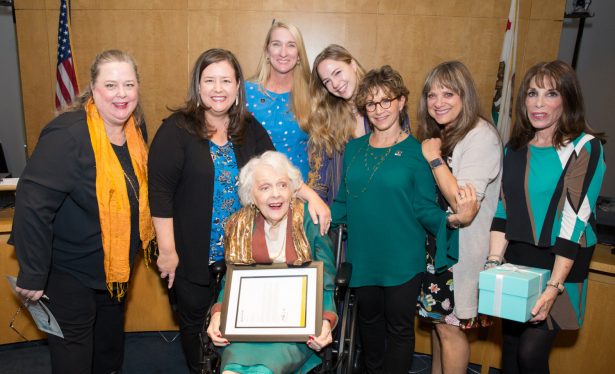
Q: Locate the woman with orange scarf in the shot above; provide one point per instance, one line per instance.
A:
(82, 214)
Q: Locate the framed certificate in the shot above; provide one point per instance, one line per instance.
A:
(272, 303)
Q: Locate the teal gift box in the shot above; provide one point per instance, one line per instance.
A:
(510, 291)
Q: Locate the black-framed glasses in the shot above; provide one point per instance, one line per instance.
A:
(25, 304)
(384, 104)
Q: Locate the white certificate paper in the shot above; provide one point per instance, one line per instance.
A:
(45, 321)
(272, 303)
(277, 301)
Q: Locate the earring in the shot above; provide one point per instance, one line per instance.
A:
(237, 100)
(198, 103)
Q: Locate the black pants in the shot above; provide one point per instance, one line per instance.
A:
(526, 347)
(193, 301)
(93, 327)
(386, 326)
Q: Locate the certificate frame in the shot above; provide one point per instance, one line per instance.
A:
(255, 294)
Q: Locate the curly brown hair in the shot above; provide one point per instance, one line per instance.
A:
(390, 82)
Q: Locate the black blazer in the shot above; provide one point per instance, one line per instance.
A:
(181, 186)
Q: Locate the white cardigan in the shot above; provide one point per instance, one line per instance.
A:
(476, 159)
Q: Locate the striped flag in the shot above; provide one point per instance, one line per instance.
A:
(501, 111)
(66, 79)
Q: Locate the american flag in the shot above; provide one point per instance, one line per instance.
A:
(66, 79)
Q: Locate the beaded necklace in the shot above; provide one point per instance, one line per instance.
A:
(379, 161)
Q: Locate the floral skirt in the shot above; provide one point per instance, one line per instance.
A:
(436, 301)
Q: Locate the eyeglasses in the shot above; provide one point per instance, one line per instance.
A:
(384, 104)
(18, 311)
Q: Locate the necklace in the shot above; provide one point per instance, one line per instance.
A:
(132, 186)
(271, 241)
(369, 151)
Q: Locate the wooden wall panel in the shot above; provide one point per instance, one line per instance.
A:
(38, 73)
(167, 36)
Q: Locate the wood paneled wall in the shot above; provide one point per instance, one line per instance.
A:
(166, 37)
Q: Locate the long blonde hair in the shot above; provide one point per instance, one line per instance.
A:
(301, 74)
(332, 122)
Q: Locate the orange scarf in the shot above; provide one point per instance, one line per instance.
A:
(113, 204)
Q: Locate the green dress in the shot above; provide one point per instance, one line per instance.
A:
(261, 358)
(387, 199)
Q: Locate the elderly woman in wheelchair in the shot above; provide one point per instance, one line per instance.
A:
(274, 227)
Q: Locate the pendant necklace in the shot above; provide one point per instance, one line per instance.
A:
(369, 151)
(132, 186)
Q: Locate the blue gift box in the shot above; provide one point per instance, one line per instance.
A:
(510, 291)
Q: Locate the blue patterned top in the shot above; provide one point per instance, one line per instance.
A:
(226, 199)
(273, 111)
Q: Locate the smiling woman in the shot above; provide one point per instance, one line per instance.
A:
(194, 166)
(273, 228)
(277, 95)
(546, 218)
(116, 94)
(82, 201)
(386, 179)
(465, 154)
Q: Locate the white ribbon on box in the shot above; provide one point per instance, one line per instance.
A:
(499, 280)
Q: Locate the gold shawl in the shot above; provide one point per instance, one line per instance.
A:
(239, 231)
(112, 197)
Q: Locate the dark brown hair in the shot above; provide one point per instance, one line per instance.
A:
(194, 109)
(572, 122)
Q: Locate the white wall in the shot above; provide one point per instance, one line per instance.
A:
(11, 109)
(596, 72)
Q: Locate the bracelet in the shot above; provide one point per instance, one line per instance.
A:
(499, 257)
(491, 262)
(449, 224)
(558, 285)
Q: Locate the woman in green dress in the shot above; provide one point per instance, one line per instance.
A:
(387, 199)
(274, 227)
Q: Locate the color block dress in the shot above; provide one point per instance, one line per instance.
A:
(548, 208)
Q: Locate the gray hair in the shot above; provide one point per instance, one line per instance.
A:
(278, 162)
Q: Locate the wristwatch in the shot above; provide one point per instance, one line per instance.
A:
(436, 162)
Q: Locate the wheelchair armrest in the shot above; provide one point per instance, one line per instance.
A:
(342, 278)
(218, 268)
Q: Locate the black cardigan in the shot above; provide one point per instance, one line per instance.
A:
(181, 186)
(56, 223)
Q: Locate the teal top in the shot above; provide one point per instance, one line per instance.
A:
(265, 358)
(548, 207)
(559, 188)
(225, 199)
(387, 199)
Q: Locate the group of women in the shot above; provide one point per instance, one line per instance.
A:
(424, 215)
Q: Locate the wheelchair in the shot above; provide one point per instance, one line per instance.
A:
(342, 356)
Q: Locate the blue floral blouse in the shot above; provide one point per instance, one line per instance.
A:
(273, 111)
(226, 200)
